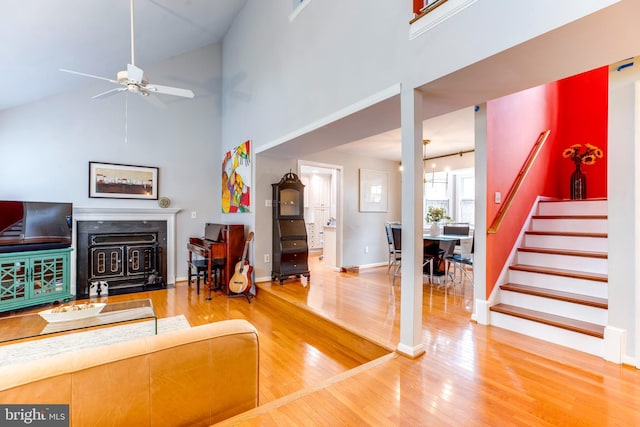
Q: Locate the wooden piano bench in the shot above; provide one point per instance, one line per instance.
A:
(200, 266)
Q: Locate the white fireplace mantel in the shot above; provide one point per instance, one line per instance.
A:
(129, 214)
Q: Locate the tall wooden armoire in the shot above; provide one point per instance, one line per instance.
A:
(290, 250)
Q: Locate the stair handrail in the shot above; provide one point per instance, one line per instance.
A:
(515, 187)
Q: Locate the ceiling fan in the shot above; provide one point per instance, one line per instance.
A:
(133, 79)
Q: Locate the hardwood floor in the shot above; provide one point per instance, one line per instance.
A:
(470, 375)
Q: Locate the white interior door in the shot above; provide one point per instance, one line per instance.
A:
(323, 183)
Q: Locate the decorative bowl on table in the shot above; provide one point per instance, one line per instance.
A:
(66, 313)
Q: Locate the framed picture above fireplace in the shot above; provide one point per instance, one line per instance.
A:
(116, 181)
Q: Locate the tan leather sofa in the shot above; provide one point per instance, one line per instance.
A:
(193, 377)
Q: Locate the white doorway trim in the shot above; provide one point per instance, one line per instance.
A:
(337, 186)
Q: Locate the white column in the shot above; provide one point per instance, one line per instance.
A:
(623, 193)
(481, 306)
(412, 243)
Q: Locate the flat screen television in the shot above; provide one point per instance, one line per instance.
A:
(34, 225)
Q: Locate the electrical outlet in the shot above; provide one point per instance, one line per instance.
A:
(193, 215)
(267, 258)
(498, 197)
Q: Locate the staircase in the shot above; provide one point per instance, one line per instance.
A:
(557, 289)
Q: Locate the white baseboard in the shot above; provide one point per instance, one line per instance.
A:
(409, 351)
(373, 265)
(631, 361)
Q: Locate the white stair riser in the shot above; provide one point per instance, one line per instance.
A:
(552, 306)
(573, 208)
(595, 244)
(559, 283)
(566, 262)
(577, 341)
(570, 225)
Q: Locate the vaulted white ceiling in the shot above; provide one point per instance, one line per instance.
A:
(37, 37)
(93, 36)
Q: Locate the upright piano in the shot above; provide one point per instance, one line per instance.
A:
(221, 245)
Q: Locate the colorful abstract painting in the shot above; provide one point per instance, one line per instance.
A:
(236, 179)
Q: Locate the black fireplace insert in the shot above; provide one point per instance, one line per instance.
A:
(120, 257)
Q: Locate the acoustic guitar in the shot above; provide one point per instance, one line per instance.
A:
(241, 279)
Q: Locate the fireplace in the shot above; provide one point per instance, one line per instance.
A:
(124, 261)
(131, 249)
(128, 255)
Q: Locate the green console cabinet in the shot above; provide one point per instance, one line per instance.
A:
(34, 277)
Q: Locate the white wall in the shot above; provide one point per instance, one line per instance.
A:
(268, 171)
(46, 146)
(360, 228)
(363, 229)
(336, 53)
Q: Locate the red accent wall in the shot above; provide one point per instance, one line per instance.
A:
(575, 110)
(417, 5)
(582, 119)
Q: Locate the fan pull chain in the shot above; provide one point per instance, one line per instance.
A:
(126, 115)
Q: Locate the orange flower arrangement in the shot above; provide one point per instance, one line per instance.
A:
(588, 157)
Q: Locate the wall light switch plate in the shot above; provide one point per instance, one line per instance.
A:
(267, 203)
(193, 214)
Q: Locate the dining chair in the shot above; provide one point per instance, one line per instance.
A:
(431, 255)
(462, 261)
(456, 229)
(387, 227)
(459, 229)
(445, 249)
(396, 237)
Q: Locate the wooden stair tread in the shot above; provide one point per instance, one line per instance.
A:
(572, 217)
(566, 233)
(557, 295)
(560, 272)
(588, 254)
(579, 326)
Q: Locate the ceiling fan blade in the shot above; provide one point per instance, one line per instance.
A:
(167, 90)
(153, 100)
(134, 74)
(108, 93)
(89, 75)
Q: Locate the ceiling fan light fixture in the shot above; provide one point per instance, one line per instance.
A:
(122, 77)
